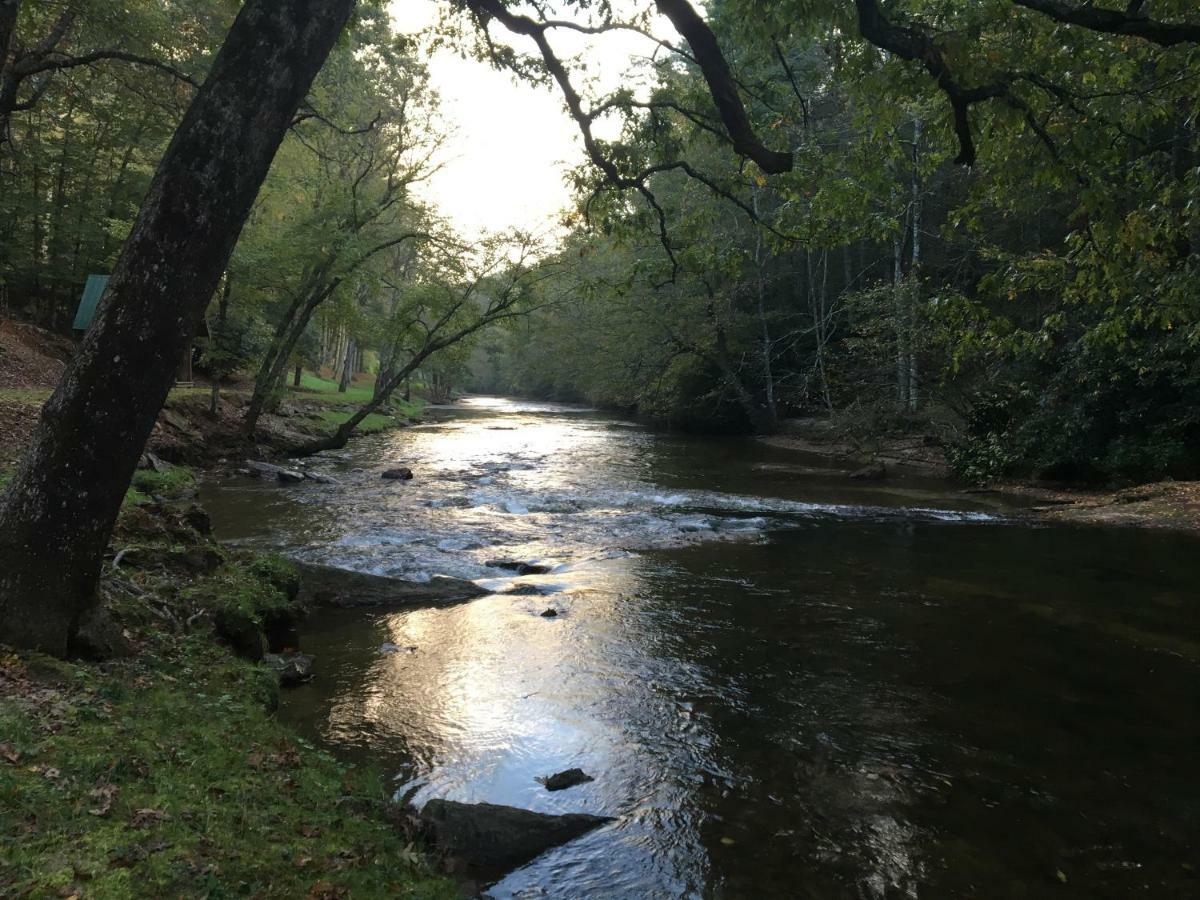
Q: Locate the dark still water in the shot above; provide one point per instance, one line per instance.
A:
(786, 683)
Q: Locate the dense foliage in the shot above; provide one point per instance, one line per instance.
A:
(1037, 311)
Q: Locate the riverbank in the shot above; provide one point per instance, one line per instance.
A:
(1166, 505)
(159, 770)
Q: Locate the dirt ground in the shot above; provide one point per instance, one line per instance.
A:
(33, 360)
(1163, 504)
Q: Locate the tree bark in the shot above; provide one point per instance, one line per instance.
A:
(347, 368)
(8, 86)
(901, 331)
(58, 513)
(914, 273)
(766, 348)
(217, 339)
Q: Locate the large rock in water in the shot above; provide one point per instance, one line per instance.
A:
(327, 586)
(291, 668)
(501, 837)
(874, 472)
(268, 470)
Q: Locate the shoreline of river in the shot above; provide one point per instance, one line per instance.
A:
(1159, 505)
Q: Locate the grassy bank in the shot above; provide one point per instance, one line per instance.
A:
(165, 776)
(163, 772)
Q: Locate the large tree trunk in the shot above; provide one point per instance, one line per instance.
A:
(8, 85)
(274, 366)
(58, 513)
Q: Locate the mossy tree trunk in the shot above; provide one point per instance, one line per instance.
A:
(57, 515)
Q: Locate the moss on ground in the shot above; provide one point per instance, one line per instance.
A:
(163, 774)
(373, 423)
(172, 483)
(234, 589)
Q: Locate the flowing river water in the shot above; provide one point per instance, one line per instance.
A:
(786, 683)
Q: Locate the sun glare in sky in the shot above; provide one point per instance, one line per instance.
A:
(510, 144)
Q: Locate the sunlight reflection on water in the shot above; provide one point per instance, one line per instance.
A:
(858, 691)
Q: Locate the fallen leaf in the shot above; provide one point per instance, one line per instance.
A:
(105, 794)
(144, 818)
(323, 890)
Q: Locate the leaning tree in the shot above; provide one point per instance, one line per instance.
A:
(59, 511)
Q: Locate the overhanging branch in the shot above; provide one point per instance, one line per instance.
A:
(1130, 22)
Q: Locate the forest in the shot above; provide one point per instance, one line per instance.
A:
(970, 227)
(1033, 310)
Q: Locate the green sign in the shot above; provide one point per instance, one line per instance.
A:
(91, 296)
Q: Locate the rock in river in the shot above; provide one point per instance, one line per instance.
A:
(326, 586)
(501, 837)
(516, 565)
(400, 473)
(560, 781)
(268, 470)
(874, 472)
(523, 590)
(292, 668)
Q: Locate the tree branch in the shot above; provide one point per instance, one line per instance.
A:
(920, 46)
(1110, 21)
(722, 87)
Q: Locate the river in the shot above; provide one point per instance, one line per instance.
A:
(786, 683)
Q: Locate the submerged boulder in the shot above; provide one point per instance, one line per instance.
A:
(874, 472)
(560, 781)
(327, 586)
(518, 566)
(269, 470)
(523, 590)
(501, 837)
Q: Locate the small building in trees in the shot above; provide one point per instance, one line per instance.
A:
(93, 290)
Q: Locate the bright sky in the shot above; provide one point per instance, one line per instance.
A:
(511, 143)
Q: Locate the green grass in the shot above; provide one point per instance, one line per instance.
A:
(175, 482)
(166, 776)
(357, 394)
(315, 389)
(370, 425)
(25, 395)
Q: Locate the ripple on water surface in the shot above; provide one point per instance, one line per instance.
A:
(785, 687)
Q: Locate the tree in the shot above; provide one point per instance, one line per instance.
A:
(58, 512)
(503, 282)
